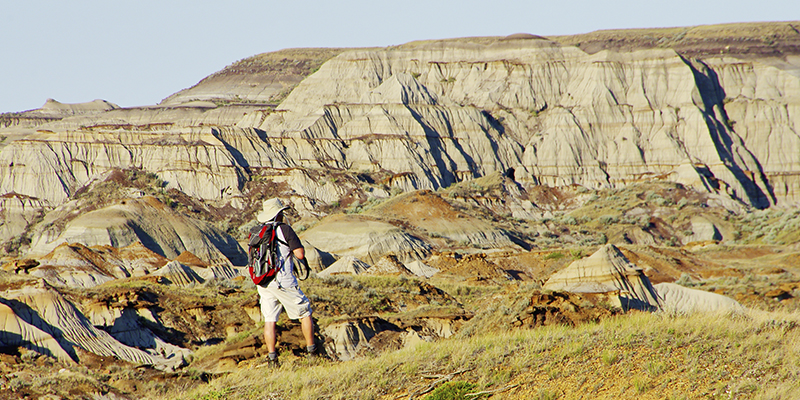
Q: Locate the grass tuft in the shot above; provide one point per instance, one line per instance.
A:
(609, 357)
(453, 391)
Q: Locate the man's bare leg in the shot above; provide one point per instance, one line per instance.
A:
(308, 330)
(269, 336)
(271, 340)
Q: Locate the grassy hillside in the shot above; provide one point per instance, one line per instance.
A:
(646, 356)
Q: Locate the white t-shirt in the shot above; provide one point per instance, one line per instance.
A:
(285, 277)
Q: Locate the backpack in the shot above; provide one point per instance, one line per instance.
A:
(263, 257)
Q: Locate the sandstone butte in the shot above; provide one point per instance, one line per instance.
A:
(429, 114)
(434, 113)
(516, 128)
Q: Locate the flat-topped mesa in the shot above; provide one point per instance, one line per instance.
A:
(556, 115)
(440, 112)
(265, 78)
(767, 41)
(52, 106)
(52, 110)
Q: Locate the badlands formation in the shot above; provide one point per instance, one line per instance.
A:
(654, 170)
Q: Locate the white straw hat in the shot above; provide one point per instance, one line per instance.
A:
(270, 210)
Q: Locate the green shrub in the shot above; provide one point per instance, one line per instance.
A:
(216, 394)
(609, 357)
(554, 256)
(569, 220)
(452, 391)
(608, 219)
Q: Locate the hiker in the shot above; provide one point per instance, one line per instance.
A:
(283, 292)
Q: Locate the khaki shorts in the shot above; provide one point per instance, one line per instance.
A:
(292, 299)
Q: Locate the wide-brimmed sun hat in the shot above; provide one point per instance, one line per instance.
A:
(270, 210)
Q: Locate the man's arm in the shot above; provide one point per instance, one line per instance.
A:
(293, 242)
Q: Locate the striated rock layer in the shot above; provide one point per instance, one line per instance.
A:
(448, 111)
(146, 220)
(41, 319)
(607, 271)
(558, 116)
(426, 115)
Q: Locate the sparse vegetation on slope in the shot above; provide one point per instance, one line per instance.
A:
(638, 355)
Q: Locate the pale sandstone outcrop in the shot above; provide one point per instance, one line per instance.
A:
(19, 332)
(679, 299)
(607, 271)
(220, 272)
(421, 269)
(762, 105)
(184, 146)
(346, 265)
(703, 230)
(350, 338)
(18, 213)
(432, 114)
(126, 327)
(193, 161)
(317, 260)
(598, 120)
(364, 238)
(439, 113)
(431, 330)
(178, 274)
(388, 265)
(41, 319)
(149, 221)
(356, 337)
(75, 265)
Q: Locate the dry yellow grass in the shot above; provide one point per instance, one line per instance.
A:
(643, 356)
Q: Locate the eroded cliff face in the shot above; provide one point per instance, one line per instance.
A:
(428, 114)
(557, 115)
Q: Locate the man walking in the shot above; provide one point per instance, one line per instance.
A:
(283, 292)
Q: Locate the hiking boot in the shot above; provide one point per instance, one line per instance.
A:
(269, 363)
(311, 352)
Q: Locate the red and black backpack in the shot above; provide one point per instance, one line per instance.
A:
(263, 255)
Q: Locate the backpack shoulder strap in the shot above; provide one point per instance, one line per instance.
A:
(277, 239)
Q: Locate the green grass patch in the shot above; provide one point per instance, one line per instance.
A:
(556, 255)
(453, 391)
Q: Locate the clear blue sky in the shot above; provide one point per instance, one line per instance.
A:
(139, 52)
